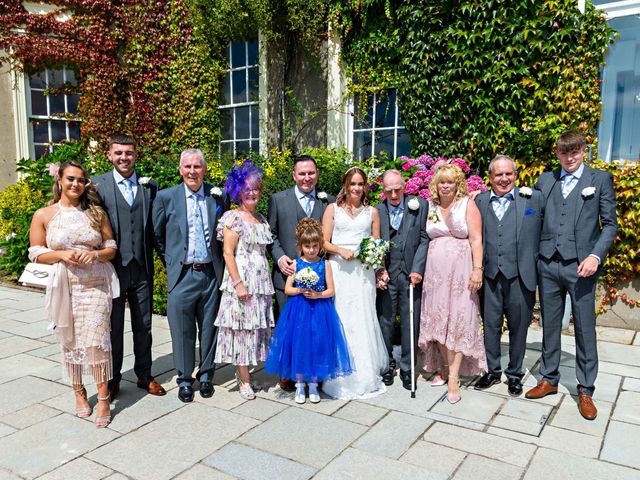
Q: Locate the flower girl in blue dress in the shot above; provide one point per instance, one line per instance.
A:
(308, 343)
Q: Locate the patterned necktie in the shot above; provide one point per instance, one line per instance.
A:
(396, 218)
(128, 191)
(568, 182)
(307, 205)
(500, 205)
(200, 252)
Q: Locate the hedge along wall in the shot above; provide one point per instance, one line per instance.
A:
(480, 78)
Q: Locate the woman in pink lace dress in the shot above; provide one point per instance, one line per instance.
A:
(450, 338)
(73, 234)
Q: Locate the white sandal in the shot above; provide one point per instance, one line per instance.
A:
(300, 396)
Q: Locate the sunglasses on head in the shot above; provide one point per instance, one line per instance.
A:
(80, 180)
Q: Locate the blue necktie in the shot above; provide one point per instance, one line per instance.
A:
(200, 253)
(500, 205)
(128, 191)
(568, 182)
(307, 205)
(396, 218)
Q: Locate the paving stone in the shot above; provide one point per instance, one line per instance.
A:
(475, 406)
(232, 459)
(222, 398)
(354, 464)
(568, 417)
(327, 405)
(33, 330)
(548, 463)
(21, 393)
(615, 335)
(116, 476)
(29, 416)
(187, 436)
(393, 435)
(617, 447)
(80, 468)
(481, 468)
(399, 399)
(259, 408)
(625, 354)
(47, 445)
(22, 365)
(631, 384)
(275, 436)
(361, 413)
(619, 369)
(438, 417)
(5, 335)
(31, 315)
(503, 449)
(161, 364)
(636, 340)
(607, 385)
(15, 344)
(569, 441)
(202, 472)
(5, 475)
(526, 410)
(526, 427)
(6, 430)
(627, 408)
(46, 351)
(440, 462)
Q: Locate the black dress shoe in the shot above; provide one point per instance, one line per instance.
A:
(206, 389)
(185, 394)
(387, 377)
(515, 387)
(487, 380)
(406, 379)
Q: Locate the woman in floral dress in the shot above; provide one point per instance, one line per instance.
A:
(245, 317)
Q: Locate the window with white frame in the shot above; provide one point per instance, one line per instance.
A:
(378, 128)
(53, 109)
(239, 118)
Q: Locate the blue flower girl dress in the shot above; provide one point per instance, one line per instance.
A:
(309, 343)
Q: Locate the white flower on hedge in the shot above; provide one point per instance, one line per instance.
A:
(144, 180)
(413, 204)
(526, 192)
(588, 192)
(322, 195)
(216, 192)
(93, 145)
(10, 236)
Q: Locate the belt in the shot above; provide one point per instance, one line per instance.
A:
(556, 257)
(196, 266)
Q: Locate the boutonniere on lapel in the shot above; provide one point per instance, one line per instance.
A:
(144, 181)
(588, 192)
(525, 192)
(322, 196)
(215, 191)
(413, 204)
(433, 216)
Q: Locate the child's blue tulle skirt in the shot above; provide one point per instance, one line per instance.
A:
(308, 342)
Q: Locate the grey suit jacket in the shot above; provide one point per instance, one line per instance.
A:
(529, 213)
(596, 222)
(412, 239)
(171, 229)
(284, 214)
(107, 191)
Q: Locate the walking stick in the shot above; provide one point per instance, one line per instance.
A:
(413, 367)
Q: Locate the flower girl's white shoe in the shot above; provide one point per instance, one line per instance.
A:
(300, 395)
(314, 396)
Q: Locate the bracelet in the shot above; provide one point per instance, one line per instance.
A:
(236, 283)
(479, 267)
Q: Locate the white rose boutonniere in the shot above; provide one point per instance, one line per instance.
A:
(144, 180)
(216, 191)
(588, 192)
(322, 196)
(413, 204)
(525, 192)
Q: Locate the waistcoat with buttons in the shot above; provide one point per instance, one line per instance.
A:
(396, 261)
(130, 229)
(558, 227)
(501, 253)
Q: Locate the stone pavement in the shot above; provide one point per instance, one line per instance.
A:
(486, 435)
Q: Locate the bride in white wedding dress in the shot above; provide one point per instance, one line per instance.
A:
(345, 224)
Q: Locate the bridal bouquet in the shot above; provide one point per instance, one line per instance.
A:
(306, 277)
(371, 252)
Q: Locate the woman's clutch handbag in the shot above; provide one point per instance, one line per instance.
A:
(36, 275)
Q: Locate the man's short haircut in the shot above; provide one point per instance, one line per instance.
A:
(502, 157)
(570, 141)
(304, 158)
(194, 151)
(121, 139)
(393, 171)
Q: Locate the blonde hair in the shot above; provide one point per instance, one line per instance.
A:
(89, 200)
(309, 231)
(451, 173)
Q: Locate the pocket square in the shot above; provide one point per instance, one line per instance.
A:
(530, 211)
(218, 209)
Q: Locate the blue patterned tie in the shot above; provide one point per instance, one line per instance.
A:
(567, 184)
(396, 218)
(128, 191)
(500, 205)
(307, 205)
(200, 253)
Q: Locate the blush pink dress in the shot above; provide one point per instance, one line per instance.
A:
(449, 312)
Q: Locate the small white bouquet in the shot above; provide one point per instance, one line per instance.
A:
(306, 277)
(371, 252)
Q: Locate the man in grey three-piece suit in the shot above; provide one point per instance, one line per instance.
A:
(185, 218)
(511, 222)
(127, 200)
(579, 226)
(403, 221)
(286, 209)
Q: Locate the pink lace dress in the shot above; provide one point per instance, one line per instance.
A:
(449, 312)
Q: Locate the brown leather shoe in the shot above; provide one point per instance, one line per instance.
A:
(114, 389)
(543, 389)
(586, 407)
(152, 387)
(287, 385)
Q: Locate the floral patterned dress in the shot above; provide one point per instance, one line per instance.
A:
(244, 327)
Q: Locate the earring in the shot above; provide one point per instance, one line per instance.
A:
(59, 188)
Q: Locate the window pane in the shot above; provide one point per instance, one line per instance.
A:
(253, 84)
(38, 103)
(384, 143)
(403, 145)
(253, 52)
(58, 131)
(226, 148)
(239, 86)
(55, 78)
(226, 124)
(40, 150)
(56, 104)
(363, 118)
(238, 58)
(242, 122)
(385, 111)
(37, 80)
(72, 103)
(242, 148)
(362, 145)
(40, 131)
(70, 76)
(255, 146)
(74, 131)
(254, 122)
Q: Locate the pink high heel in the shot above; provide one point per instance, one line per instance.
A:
(439, 379)
(454, 398)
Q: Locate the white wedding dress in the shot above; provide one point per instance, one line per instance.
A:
(355, 301)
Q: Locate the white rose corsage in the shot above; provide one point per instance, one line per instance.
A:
(322, 196)
(433, 216)
(413, 204)
(144, 180)
(216, 191)
(525, 192)
(588, 192)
